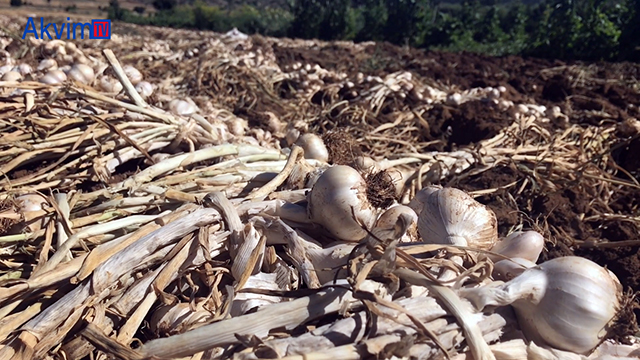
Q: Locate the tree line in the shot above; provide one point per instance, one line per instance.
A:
(559, 29)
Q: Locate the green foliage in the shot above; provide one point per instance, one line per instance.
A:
(374, 19)
(563, 29)
(163, 5)
(115, 12)
(401, 21)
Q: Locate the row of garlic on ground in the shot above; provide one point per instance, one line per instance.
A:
(567, 303)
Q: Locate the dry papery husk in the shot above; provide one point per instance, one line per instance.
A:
(177, 219)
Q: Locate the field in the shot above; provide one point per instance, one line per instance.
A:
(546, 145)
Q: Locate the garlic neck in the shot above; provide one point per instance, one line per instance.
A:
(529, 286)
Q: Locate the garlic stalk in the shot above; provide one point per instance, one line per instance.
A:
(566, 303)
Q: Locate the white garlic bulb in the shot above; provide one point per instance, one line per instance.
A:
(53, 77)
(314, 147)
(32, 210)
(182, 107)
(339, 194)
(566, 303)
(507, 269)
(133, 74)
(367, 164)
(109, 84)
(23, 69)
(520, 244)
(145, 89)
(81, 73)
(389, 220)
(292, 135)
(5, 69)
(451, 216)
(11, 76)
(47, 64)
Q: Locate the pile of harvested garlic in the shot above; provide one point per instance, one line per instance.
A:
(566, 303)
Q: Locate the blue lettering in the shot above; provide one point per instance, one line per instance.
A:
(26, 29)
(55, 29)
(82, 25)
(43, 29)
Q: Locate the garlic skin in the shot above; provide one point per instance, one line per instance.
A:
(566, 303)
(314, 147)
(519, 244)
(451, 216)
(339, 189)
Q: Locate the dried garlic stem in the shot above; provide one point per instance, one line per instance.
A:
(271, 186)
(124, 80)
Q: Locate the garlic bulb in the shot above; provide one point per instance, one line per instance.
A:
(53, 77)
(336, 192)
(32, 209)
(47, 64)
(133, 74)
(314, 147)
(451, 216)
(520, 244)
(182, 107)
(144, 88)
(507, 269)
(109, 84)
(23, 69)
(367, 164)
(566, 303)
(11, 76)
(5, 69)
(389, 220)
(81, 73)
(292, 135)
